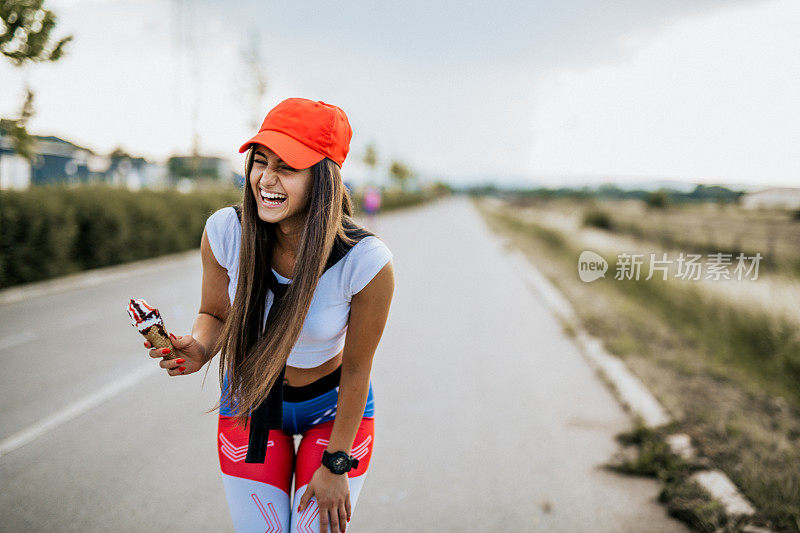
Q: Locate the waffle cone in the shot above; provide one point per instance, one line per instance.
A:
(158, 338)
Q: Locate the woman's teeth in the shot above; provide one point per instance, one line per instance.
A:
(272, 199)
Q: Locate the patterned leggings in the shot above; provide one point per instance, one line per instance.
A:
(259, 494)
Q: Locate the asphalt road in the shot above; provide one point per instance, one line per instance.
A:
(487, 417)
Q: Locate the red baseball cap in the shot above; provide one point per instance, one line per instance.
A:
(304, 132)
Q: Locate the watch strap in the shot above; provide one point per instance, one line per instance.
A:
(327, 457)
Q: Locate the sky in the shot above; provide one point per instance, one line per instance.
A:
(524, 92)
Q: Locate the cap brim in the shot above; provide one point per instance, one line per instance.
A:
(293, 152)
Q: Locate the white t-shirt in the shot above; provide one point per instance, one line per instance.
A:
(324, 329)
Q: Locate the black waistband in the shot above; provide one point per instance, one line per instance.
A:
(313, 389)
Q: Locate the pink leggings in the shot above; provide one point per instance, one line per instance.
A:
(259, 494)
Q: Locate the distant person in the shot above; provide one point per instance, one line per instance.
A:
(283, 367)
(372, 203)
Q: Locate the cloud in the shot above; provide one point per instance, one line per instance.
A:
(710, 98)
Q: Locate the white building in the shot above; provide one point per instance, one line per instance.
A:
(15, 171)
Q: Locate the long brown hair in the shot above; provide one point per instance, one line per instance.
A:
(254, 361)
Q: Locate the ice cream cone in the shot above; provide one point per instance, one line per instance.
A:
(148, 321)
(158, 338)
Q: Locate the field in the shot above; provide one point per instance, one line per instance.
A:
(703, 228)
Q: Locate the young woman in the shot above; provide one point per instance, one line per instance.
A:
(296, 297)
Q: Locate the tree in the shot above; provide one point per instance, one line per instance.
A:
(22, 142)
(400, 173)
(26, 39)
(119, 152)
(657, 199)
(371, 159)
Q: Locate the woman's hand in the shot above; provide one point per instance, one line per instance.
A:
(191, 355)
(333, 497)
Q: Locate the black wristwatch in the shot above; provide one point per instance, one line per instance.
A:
(338, 462)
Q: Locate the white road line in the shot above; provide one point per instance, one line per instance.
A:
(33, 432)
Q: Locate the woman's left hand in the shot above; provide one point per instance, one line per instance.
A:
(333, 498)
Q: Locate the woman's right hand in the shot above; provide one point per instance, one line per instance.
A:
(191, 355)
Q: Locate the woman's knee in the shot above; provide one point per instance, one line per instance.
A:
(309, 459)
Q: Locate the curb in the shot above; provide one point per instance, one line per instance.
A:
(631, 391)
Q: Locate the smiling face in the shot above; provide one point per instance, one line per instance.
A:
(271, 177)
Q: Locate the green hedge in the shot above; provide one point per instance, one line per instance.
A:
(46, 232)
(51, 231)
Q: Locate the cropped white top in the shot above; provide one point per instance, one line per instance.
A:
(325, 326)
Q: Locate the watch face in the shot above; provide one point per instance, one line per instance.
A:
(339, 463)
